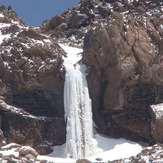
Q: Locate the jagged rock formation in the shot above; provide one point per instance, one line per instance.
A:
(123, 46)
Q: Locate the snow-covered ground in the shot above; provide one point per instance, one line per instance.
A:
(113, 149)
(109, 149)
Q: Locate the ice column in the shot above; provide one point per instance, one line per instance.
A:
(78, 113)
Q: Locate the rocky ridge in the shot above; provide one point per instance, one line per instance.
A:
(122, 47)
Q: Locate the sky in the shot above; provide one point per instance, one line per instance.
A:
(34, 12)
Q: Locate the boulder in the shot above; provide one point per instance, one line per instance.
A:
(27, 152)
(53, 23)
(127, 123)
(78, 19)
(104, 10)
(83, 161)
(157, 122)
(44, 149)
(23, 128)
(16, 153)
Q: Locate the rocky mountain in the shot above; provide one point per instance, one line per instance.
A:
(122, 44)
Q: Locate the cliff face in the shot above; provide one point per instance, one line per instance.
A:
(124, 54)
(122, 46)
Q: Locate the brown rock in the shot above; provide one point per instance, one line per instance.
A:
(11, 29)
(77, 20)
(133, 122)
(104, 10)
(131, 75)
(44, 149)
(53, 23)
(25, 129)
(22, 128)
(83, 161)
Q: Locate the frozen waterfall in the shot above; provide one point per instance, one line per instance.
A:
(77, 104)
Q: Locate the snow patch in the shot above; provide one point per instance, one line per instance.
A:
(109, 149)
(56, 159)
(73, 55)
(1, 15)
(6, 36)
(114, 149)
(10, 152)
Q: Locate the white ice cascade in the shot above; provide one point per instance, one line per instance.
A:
(77, 104)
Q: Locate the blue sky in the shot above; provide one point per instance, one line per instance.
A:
(33, 12)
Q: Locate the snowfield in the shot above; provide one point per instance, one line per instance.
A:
(109, 149)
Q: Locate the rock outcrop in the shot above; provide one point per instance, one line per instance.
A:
(125, 63)
(37, 131)
(31, 85)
